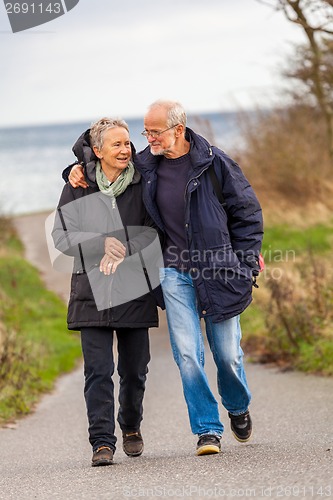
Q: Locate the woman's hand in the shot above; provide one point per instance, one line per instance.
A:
(76, 177)
(114, 248)
(115, 253)
(108, 265)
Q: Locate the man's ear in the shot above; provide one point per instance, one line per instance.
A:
(97, 152)
(179, 130)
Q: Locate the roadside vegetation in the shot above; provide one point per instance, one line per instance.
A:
(290, 322)
(287, 161)
(288, 157)
(35, 346)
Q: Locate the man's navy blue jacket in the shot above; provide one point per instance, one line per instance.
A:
(224, 242)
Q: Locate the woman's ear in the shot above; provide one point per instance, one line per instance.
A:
(97, 152)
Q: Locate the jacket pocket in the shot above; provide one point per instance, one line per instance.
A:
(222, 257)
(80, 287)
(224, 264)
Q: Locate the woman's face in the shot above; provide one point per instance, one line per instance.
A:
(116, 149)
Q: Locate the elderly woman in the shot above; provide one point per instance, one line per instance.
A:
(103, 227)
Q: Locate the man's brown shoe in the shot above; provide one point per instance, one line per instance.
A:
(102, 456)
(132, 443)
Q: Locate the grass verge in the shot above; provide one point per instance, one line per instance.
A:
(35, 346)
(281, 241)
(291, 321)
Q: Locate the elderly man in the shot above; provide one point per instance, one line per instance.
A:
(213, 229)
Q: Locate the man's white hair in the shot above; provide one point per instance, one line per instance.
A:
(175, 110)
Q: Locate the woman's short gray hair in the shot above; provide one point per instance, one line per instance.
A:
(175, 110)
(99, 128)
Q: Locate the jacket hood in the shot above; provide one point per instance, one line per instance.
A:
(201, 154)
(87, 157)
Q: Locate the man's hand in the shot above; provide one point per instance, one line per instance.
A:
(76, 177)
(114, 248)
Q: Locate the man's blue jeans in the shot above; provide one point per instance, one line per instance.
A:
(188, 350)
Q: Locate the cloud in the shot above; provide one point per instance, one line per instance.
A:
(119, 57)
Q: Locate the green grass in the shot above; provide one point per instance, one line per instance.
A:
(253, 320)
(283, 240)
(316, 358)
(37, 347)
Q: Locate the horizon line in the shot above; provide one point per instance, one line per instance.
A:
(137, 117)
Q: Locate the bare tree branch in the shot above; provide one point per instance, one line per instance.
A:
(315, 17)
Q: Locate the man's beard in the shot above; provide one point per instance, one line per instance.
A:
(163, 151)
(158, 153)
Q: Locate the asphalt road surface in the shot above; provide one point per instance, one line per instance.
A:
(47, 454)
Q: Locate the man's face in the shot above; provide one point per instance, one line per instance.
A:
(156, 121)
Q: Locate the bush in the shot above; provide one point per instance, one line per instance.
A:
(35, 346)
(285, 156)
(299, 317)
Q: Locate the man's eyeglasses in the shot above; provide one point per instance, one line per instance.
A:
(156, 133)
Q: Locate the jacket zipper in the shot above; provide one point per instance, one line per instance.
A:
(186, 224)
(186, 204)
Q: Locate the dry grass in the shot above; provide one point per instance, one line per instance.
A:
(286, 160)
(3, 336)
(285, 157)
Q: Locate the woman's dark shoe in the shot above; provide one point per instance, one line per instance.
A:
(241, 426)
(102, 456)
(208, 444)
(132, 443)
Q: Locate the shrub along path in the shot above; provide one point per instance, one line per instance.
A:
(291, 454)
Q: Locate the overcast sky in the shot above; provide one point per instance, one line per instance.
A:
(114, 58)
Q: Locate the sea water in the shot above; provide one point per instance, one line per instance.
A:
(33, 158)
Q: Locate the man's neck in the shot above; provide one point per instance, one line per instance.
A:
(181, 148)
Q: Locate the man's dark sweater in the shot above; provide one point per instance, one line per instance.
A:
(172, 177)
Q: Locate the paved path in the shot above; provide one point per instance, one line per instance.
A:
(290, 456)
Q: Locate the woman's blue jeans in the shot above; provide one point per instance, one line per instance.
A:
(188, 350)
